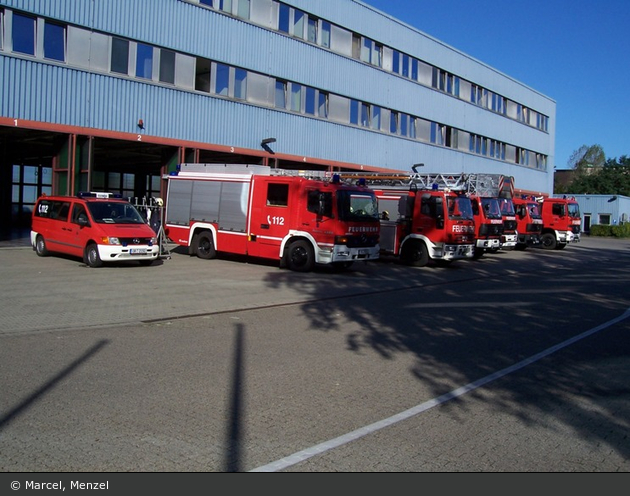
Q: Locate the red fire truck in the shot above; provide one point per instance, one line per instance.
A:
(489, 193)
(423, 217)
(510, 234)
(562, 222)
(529, 222)
(300, 218)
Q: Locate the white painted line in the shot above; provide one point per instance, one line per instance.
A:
(369, 429)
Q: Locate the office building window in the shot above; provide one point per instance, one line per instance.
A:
(224, 5)
(281, 94)
(202, 75)
(323, 105)
(144, 61)
(283, 18)
(298, 23)
(120, 56)
(240, 84)
(310, 104)
(296, 97)
(23, 34)
(243, 9)
(222, 84)
(54, 41)
(167, 66)
(354, 112)
(393, 122)
(311, 30)
(325, 34)
(375, 122)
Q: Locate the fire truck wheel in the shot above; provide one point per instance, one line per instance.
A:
(478, 253)
(548, 241)
(341, 266)
(561, 246)
(300, 256)
(91, 256)
(203, 246)
(416, 254)
(40, 246)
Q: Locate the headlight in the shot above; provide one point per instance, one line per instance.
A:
(111, 241)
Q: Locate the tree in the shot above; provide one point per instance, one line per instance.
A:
(586, 158)
(611, 179)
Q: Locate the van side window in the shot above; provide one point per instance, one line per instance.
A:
(78, 210)
(61, 211)
(53, 209)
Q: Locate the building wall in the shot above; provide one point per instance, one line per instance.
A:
(603, 209)
(84, 92)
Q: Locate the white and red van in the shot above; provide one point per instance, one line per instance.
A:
(98, 227)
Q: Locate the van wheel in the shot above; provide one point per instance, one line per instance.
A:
(40, 246)
(203, 246)
(548, 241)
(91, 256)
(300, 256)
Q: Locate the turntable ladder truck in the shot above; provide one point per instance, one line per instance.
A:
(423, 216)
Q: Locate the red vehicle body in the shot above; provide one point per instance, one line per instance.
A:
(562, 222)
(509, 238)
(300, 218)
(98, 227)
(488, 224)
(423, 216)
(429, 225)
(529, 222)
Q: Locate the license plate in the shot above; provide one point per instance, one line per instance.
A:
(137, 251)
(364, 252)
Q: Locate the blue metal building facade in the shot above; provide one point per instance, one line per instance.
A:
(602, 209)
(80, 96)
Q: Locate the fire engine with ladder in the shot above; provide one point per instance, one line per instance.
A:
(300, 218)
(495, 218)
(423, 216)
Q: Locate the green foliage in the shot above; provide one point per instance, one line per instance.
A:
(605, 230)
(587, 157)
(611, 179)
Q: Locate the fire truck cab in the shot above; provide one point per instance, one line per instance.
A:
(529, 222)
(561, 222)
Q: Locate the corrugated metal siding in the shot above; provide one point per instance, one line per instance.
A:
(43, 92)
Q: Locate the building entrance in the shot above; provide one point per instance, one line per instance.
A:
(27, 184)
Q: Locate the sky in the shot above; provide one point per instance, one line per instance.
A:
(576, 52)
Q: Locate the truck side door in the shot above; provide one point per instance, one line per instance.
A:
(272, 212)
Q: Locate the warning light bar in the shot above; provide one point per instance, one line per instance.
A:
(98, 194)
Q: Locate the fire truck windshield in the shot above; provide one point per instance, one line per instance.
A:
(574, 210)
(491, 208)
(507, 206)
(357, 206)
(459, 208)
(534, 211)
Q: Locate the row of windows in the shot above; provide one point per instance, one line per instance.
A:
(125, 57)
(307, 27)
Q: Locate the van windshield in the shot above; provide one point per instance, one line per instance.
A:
(114, 213)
